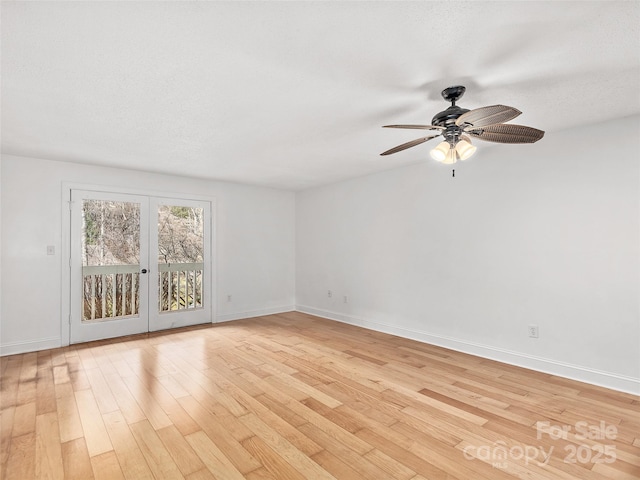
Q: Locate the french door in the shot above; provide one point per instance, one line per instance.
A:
(138, 264)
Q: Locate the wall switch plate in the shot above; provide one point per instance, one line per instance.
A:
(533, 331)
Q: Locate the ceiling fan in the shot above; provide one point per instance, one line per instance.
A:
(458, 125)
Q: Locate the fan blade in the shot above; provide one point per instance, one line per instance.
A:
(410, 144)
(507, 133)
(420, 127)
(481, 117)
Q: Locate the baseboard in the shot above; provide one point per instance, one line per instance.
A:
(254, 313)
(29, 346)
(574, 372)
(55, 342)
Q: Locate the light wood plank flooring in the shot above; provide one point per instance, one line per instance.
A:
(293, 396)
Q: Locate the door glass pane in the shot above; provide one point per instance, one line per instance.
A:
(110, 259)
(180, 257)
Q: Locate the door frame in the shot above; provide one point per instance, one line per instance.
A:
(65, 257)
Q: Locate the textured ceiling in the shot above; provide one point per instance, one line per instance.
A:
(293, 94)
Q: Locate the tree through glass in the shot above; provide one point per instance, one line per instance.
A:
(110, 259)
(180, 257)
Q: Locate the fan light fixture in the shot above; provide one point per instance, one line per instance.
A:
(441, 151)
(450, 154)
(465, 149)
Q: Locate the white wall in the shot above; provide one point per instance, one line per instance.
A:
(544, 234)
(528, 234)
(255, 249)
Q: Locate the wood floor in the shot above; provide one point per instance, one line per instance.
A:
(293, 396)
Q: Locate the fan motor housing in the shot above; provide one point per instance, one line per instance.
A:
(448, 117)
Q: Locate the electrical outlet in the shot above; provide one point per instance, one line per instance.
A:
(329, 293)
(533, 331)
(346, 299)
(51, 249)
(228, 298)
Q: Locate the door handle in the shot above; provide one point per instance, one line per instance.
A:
(144, 270)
